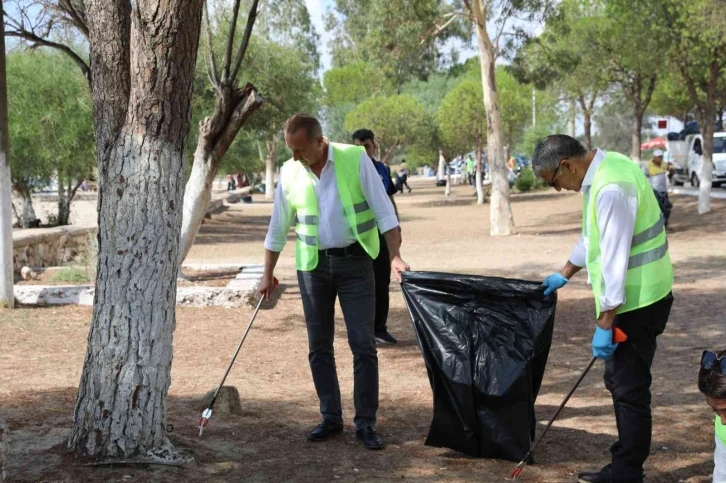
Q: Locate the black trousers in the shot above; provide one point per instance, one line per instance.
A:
(350, 279)
(665, 204)
(382, 272)
(627, 377)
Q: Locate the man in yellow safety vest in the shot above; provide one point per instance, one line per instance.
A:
(334, 196)
(625, 249)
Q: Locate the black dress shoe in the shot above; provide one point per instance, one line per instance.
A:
(602, 476)
(324, 430)
(385, 338)
(370, 437)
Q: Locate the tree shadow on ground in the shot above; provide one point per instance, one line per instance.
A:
(266, 442)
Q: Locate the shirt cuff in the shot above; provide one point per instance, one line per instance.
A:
(274, 245)
(388, 223)
(611, 301)
(578, 257)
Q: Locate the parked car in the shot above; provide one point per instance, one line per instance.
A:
(695, 160)
(686, 159)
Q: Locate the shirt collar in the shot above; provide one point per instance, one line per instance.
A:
(330, 149)
(594, 165)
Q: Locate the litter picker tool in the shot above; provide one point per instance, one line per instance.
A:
(207, 413)
(618, 336)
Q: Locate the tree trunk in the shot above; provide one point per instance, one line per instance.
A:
(197, 194)
(27, 212)
(444, 161)
(571, 115)
(66, 193)
(477, 175)
(637, 128)
(587, 114)
(63, 203)
(142, 68)
(500, 213)
(215, 137)
(270, 162)
(441, 172)
(706, 175)
(7, 297)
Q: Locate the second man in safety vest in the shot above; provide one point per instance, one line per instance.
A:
(334, 196)
(625, 249)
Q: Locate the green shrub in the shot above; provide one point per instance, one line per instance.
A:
(526, 180)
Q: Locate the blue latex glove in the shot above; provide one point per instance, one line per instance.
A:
(553, 282)
(602, 343)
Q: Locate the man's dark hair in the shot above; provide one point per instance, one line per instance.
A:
(551, 150)
(711, 382)
(364, 135)
(304, 121)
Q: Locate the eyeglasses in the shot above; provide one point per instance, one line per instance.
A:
(551, 182)
(711, 361)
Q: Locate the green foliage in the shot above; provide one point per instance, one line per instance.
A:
(281, 62)
(71, 275)
(461, 117)
(671, 97)
(515, 101)
(614, 125)
(354, 83)
(392, 35)
(397, 121)
(51, 121)
(695, 32)
(526, 180)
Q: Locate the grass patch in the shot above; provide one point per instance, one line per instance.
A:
(71, 275)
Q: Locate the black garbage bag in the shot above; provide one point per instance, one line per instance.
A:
(485, 341)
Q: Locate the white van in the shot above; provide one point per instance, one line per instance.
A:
(695, 159)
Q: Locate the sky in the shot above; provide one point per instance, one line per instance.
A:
(317, 9)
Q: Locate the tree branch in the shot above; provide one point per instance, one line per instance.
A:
(436, 30)
(230, 41)
(75, 16)
(212, 70)
(245, 40)
(649, 90)
(41, 42)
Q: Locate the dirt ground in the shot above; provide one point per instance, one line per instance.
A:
(42, 352)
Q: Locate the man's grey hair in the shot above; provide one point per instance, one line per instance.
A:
(550, 151)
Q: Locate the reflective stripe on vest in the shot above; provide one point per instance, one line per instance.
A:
(720, 429)
(300, 193)
(650, 273)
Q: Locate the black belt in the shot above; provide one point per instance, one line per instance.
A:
(355, 250)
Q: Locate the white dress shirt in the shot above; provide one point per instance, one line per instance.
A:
(333, 228)
(616, 208)
(658, 181)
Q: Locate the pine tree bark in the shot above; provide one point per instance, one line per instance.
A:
(142, 63)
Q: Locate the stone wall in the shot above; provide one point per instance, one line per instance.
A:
(48, 247)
